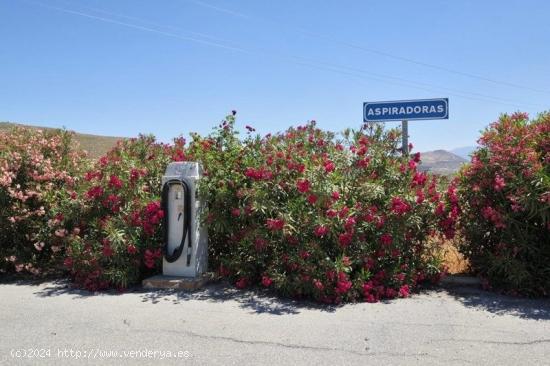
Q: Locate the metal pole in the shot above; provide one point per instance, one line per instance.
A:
(405, 137)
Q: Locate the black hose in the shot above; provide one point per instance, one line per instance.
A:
(186, 224)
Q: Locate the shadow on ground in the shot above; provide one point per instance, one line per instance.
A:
(257, 301)
(260, 301)
(476, 298)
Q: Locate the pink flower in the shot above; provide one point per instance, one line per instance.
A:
(131, 249)
(499, 183)
(346, 261)
(335, 195)
(60, 233)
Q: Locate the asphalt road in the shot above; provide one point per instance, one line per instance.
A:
(222, 326)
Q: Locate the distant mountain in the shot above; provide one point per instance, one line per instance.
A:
(441, 162)
(464, 152)
(95, 145)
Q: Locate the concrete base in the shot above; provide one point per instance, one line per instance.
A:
(179, 283)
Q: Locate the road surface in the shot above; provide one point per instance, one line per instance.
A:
(51, 324)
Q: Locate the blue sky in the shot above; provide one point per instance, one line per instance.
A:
(170, 67)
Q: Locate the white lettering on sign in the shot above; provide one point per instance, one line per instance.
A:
(390, 111)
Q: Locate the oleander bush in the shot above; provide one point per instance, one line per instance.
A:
(505, 196)
(314, 216)
(114, 240)
(39, 173)
(307, 213)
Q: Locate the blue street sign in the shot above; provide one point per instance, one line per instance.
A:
(409, 110)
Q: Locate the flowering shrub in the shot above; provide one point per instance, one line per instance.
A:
(115, 239)
(304, 212)
(505, 193)
(38, 175)
(313, 216)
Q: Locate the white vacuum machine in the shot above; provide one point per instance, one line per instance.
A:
(185, 240)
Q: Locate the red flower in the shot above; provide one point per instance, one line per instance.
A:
(399, 206)
(275, 224)
(318, 285)
(329, 166)
(390, 293)
(419, 197)
(386, 239)
(94, 192)
(303, 185)
(321, 231)
(107, 251)
(344, 284)
(419, 179)
(150, 257)
(260, 244)
(131, 249)
(115, 182)
(404, 291)
(266, 281)
(113, 202)
(241, 283)
(312, 199)
(350, 223)
(335, 195)
(236, 212)
(345, 239)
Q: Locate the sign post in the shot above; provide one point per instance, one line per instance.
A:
(405, 111)
(405, 137)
